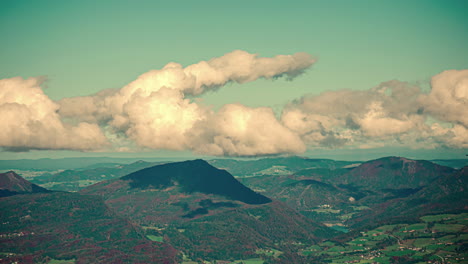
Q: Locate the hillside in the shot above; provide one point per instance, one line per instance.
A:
(373, 190)
(38, 228)
(305, 195)
(447, 194)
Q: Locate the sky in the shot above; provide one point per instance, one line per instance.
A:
(335, 79)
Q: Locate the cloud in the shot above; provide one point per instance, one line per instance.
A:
(392, 114)
(237, 130)
(452, 137)
(161, 110)
(161, 120)
(237, 66)
(448, 99)
(337, 118)
(30, 121)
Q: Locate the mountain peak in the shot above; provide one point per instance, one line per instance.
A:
(11, 184)
(194, 176)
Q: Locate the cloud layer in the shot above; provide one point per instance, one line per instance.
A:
(154, 111)
(160, 110)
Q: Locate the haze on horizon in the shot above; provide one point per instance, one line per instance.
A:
(79, 78)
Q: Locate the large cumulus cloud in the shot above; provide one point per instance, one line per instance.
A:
(30, 121)
(237, 130)
(448, 99)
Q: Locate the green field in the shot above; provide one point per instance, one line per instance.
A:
(327, 210)
(269, 252)
(249, 261)
(60, 261)
(155, 238)
(438, 236)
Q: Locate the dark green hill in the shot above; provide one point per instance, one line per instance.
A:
(195, 176)
(11, 184)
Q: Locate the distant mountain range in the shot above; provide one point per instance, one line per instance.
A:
(70, 163)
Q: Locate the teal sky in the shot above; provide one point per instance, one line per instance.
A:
(87, 46)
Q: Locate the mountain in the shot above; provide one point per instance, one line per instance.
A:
(392, 173)
(205, 212)
(195, 176)
(11, 184)
(446, 194)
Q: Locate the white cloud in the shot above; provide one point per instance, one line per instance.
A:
(453, 137)
(378, 123)
(237, 130)
(162, 119)
(30, 121)
(448, 99)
